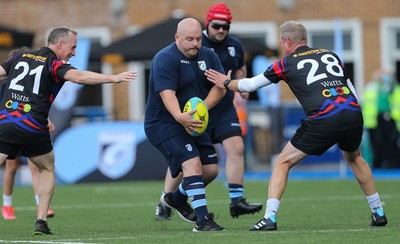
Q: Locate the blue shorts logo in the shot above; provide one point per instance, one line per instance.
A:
(189, 147)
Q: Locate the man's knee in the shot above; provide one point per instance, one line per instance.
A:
(210, 172)
(351, 157)
(235, 145)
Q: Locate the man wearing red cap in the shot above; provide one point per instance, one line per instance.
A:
(224, 127)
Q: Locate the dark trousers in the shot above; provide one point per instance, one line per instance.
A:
(384, 142)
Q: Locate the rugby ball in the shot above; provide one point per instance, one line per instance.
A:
(201, 114)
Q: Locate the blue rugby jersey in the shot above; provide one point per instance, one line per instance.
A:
(231, 54)
(171, 70)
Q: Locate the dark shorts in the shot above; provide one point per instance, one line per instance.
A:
(225, 125)
(27, 150)
(313, 141)
(179, 149)
(12, 157)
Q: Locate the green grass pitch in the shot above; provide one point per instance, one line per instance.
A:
(311, 211)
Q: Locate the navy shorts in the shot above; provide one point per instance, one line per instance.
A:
(224, 124)
(179, 149)
(313, 141)
(27, 150)
(12, 157)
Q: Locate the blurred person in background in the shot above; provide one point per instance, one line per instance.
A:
(381, 112)
(269, 97)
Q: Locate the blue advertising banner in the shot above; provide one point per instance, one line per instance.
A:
(104, 151)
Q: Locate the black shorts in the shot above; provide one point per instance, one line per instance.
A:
(27, 150)
(313, 141)
(12, 157)
(179, 149)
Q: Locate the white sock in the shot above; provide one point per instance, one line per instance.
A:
(37, 199)
(7, 200)
(272, 207)
(374, 202)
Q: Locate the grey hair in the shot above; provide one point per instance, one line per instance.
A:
(294, 31)
(23, 49)
(58, 33)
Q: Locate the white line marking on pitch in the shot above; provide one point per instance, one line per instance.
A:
(71, 241)
(45, 242)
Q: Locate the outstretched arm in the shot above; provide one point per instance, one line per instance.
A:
(243, 85)
(241, 74)
(92, 78)
(218, 79)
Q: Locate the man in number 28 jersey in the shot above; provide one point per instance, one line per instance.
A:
(318, 80)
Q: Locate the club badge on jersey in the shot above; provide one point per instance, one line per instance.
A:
(232, 51)
(202, 65)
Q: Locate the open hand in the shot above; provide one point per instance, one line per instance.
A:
(125, 76)
(216, 77)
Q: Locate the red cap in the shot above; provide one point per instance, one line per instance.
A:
(218, 11)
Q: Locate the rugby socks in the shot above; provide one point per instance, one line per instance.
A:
(180, 187)
(235, 192)
(7, 200)
(272, 208)
(374, 202)
(179, 195)
(194, 188)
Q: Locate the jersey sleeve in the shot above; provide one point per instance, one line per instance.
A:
(58, 69)
(276, 71)
(165, 73)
